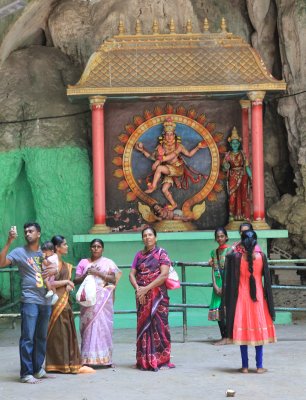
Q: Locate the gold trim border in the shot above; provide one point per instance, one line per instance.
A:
(107, 91)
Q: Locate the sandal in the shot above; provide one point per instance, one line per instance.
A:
(261, 370)
(30, 379)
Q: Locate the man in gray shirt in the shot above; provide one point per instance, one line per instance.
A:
(35, 307)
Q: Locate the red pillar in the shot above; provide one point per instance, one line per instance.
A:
(245, 108)
(98, 156)
(258, 160)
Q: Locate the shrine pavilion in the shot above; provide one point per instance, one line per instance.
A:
(190, 65)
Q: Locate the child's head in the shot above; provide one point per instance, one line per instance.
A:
(47, 248)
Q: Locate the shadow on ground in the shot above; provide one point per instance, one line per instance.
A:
(203, 371)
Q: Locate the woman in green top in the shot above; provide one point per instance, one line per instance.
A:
(217, 263)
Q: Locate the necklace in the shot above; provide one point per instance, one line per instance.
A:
(169, 147)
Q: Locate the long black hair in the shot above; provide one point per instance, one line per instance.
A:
(249, 241)
(57, 240)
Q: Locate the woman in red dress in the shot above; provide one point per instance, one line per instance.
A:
(248, 303)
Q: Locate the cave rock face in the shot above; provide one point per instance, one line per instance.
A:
(33, 89)
(49, 44)
(90, 23)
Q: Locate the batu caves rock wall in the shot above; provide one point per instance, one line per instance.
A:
(45, 147)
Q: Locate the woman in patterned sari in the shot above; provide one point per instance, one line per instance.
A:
(148, 274)
(62, 346)
(97, 321)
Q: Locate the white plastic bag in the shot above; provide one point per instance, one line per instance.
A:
(86, 295)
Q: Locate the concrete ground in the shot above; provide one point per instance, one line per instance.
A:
(203, 371)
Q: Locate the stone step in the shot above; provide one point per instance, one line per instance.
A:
(283, 277)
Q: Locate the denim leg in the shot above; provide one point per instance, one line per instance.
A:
(29, 314)
(244, 356)
(40, 338)
(259, 356)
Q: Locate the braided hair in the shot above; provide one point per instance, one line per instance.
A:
(249, 241)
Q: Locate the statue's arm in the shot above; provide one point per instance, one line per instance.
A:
(186, 152)
(225, 164)
(140, 147)
(247, 167)
(249, 172)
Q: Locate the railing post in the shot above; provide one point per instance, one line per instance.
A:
(184, 299)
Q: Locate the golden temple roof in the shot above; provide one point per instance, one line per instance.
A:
(174, 63)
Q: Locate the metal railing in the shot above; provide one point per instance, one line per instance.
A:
(183, 306)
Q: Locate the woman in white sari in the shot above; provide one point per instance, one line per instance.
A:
(96, 322)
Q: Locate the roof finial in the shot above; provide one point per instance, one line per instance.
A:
(223, 25)
(138, 27)
(189, 26)
(172, 27)
(155, 27)
(121, 28)
(206, 25)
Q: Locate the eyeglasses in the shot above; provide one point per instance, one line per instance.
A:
(96, 247)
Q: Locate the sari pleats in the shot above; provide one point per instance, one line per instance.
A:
(97, 329)
(62, 346)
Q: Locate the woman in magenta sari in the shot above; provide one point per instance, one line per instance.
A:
(148, 274)
(96, 322)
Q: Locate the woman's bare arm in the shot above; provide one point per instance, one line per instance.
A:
(132, 277)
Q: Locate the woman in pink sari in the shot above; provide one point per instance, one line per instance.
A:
(96, 322)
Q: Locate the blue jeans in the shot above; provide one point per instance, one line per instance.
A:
(33, 339)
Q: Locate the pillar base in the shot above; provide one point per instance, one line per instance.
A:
(174, 226)
(260, 225)
(100, 228)
(257, 225)
(234, 225)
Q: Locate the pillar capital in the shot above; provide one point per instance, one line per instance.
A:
(256, 96)
(245, 103)
(97, 101)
